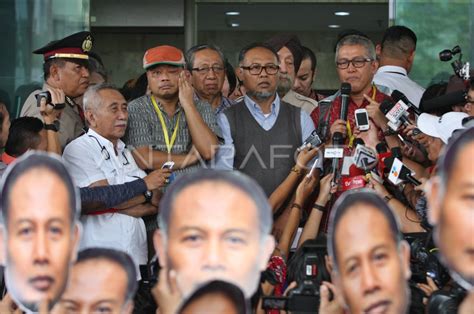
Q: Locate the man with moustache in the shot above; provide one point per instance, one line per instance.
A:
(371, 261)
(40, 231)
(66, 74)
(100, 158)
(169, 125)
(262, 132)
(290, 52)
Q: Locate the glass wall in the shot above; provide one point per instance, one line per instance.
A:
(25, 26)
(439, 25)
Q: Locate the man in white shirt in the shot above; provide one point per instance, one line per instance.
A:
(396, 54)
(100, 158)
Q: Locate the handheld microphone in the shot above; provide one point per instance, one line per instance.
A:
(399, 96)
(382, 154)
(400, 173)
(345, 92)
(395, 113)
(364, 157)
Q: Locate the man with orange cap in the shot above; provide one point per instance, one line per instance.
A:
(168, 125)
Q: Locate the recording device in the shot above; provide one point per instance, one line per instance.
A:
(399, 173)
(313, 139)
(345, 92)
(461, 69)
(335, 153)
(364, 157)
(169, 165)
(305, 298)
(446, 302)
(382, 154)
(399, 96)
(362, 119)
(47, 95)
(397, 114)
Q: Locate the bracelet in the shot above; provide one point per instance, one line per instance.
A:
(320, 207)
(387, 198)
(296, 170)
(389, 132)
(295, 205)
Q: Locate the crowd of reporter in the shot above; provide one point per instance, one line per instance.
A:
(197, 188)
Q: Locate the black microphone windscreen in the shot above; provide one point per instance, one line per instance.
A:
(359, 141)
(397, 152)
(345, 88)
(386, 105)
(397, 95)
(381, 148)
(337, 138)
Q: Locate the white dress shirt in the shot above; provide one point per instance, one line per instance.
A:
(91, 158)
(396, 78)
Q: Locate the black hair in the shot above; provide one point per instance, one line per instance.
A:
(348, 200)
(251, 46)
(114, 256)
(235, 179)
(398, 40)
(446, 163)
(231, 77)
(433, 91)
(192, 52)
(218, 287)
(309, 54)
(24, 135)
(38, 160)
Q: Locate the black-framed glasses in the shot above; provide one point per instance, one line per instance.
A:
(468, 99)
(356, 62)
(204, 70)
(256, 69)
(105, 153)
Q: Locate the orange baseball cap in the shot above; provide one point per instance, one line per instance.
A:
(163, 55)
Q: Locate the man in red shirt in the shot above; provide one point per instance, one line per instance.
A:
(356, 65)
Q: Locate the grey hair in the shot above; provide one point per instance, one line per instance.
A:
(191, 53)
(92, 99)
(235, 179)
(353, 40)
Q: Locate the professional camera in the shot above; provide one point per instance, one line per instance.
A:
(444, 302)
(424, 260)
(461, 69)
(305, 297)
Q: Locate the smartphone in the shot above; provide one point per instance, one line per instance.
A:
(313, 139)
(362, 119)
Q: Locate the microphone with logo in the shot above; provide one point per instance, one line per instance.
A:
(397, 114)
(399, 173)
(399, 96)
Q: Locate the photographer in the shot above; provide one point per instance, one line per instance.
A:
(66, 77)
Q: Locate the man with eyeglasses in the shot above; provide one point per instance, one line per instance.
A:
(100, 158)
(207, 66)
(262, 132)
(168, 125)
(356, 65)
(469, 106)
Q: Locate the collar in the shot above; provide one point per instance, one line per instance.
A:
(7, 159)
(160, 106)
(68, 100)
(254, 107)
(105, 142)
(392, 69)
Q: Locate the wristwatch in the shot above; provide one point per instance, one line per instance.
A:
(148, 196)
(53, 126)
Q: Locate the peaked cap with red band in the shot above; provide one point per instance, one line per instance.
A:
(75, 46)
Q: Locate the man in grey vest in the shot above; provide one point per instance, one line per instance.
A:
(262, 132)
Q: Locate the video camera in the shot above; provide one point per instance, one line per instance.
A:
(47, 96)
(305, 298)
(461, 69)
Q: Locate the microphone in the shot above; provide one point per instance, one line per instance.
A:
(345, 92)
(382, 154)
(400, 173)
(395, 113)
(337, 139)
(399, 96)
(364, 157)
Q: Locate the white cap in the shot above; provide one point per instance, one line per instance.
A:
(441, 127)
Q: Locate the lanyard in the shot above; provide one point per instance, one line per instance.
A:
(349, 131)
(169, 143)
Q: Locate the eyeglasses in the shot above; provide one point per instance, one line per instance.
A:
(105, 152)
(356, 62)
(256, 69)
(468, 99)
(204, 70)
